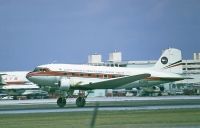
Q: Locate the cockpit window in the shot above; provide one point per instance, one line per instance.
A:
(41, 70)
(36, 70)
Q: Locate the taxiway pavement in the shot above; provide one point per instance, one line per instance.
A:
(100, 108)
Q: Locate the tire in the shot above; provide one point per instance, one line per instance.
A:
(80, 102)
(61, 102)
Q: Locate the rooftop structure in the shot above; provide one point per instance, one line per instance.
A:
(95, 59)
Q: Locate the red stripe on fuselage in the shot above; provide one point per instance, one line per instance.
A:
(74, 74)
(16, 82)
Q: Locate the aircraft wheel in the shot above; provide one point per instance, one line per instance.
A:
(80, 102)
(61, 102)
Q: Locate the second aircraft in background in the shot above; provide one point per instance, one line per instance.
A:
(15, 83)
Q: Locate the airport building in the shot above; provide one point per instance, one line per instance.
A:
(191, 68)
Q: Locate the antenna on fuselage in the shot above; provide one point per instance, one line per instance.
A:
(54, 61)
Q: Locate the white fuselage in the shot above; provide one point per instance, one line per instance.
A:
(50, 74)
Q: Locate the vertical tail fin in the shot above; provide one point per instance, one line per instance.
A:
(170, 61)
(2, 82)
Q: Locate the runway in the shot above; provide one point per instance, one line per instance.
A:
(120, 100)
(88, 109)
(97, 99)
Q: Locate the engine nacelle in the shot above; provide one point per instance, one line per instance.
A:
(156, 89)
(64, 84)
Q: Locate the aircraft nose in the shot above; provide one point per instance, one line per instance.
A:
(32, 77)
(29, 75)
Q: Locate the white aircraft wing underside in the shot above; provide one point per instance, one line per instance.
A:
(113, 83)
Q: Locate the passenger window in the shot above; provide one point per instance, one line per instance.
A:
(105, 76)
(113, 76)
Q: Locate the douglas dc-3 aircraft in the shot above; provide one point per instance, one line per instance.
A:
(70, 77)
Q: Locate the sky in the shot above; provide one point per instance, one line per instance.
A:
(35, 32)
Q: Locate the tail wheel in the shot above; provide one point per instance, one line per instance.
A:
(80, 102)
(61, 102)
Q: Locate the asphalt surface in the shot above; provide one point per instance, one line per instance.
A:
(94, 99)
(99, 99)
(87, 109)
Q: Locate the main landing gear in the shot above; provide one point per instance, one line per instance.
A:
(80, 101)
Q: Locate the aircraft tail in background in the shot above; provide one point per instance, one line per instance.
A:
(170, 61)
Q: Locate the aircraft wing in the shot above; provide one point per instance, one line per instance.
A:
(112, 83)
(2, 82)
